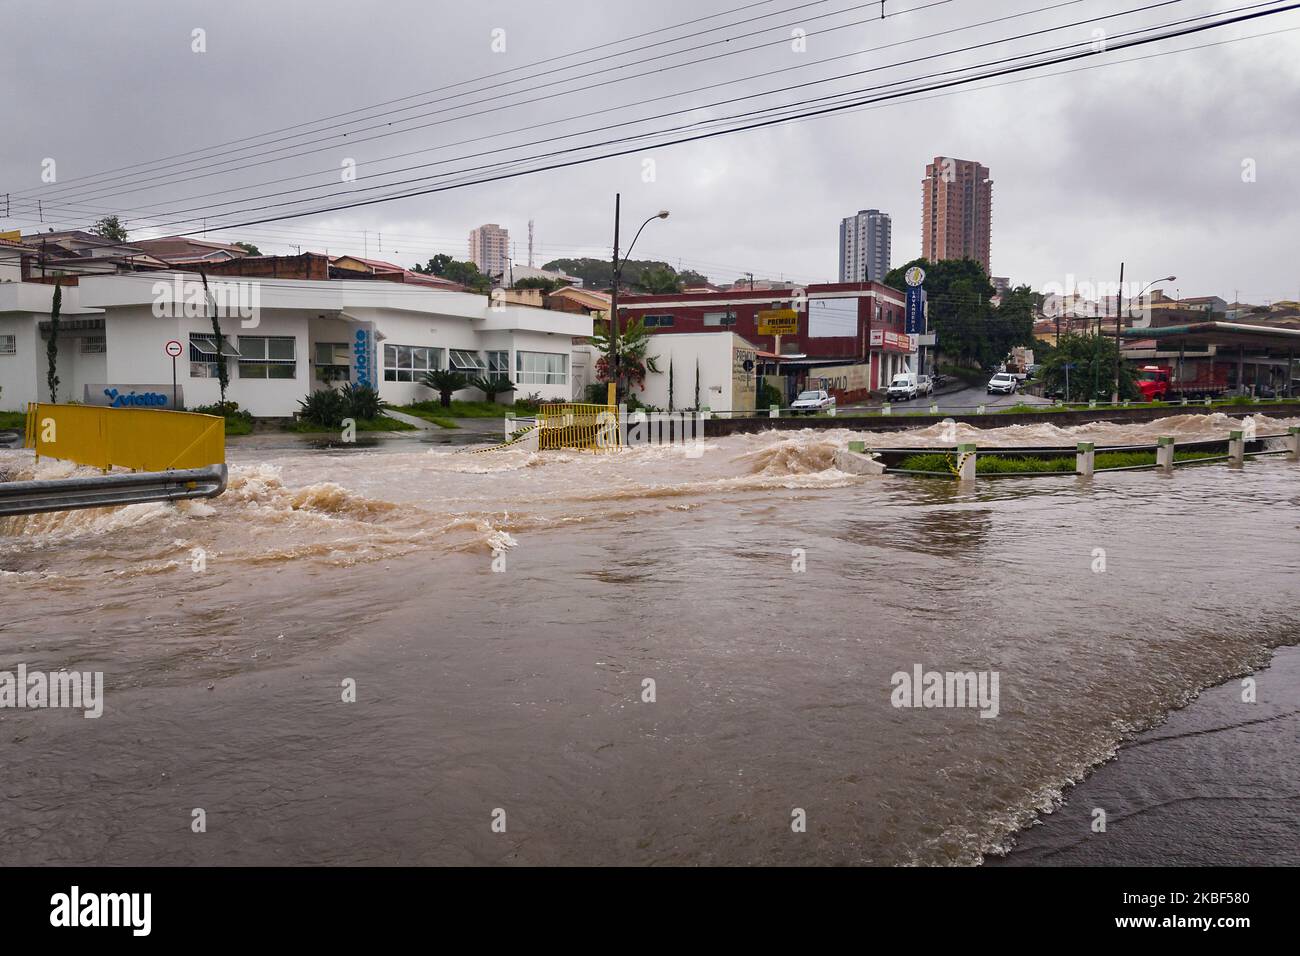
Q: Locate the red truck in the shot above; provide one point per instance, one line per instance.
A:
(1199, 380)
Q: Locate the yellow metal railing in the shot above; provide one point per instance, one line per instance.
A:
(143, 439)
(577, 426)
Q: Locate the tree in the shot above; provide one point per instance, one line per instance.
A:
(223, 373)
(538, 282)
(1092, 368)
(599, 274)
(969, 328)
(444, 382)
(1015, 319)
(491, 387)
(110, 227)
(659, 280)
(248, 247)
(437, 266)
(52, 346)
(670, 384)
(633, 343)
(453, 270)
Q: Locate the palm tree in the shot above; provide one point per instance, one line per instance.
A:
(444, 382)
(491, 387)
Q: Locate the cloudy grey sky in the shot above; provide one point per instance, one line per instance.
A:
(1138, 161)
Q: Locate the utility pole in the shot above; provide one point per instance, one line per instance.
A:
(1119, 298)
(751, 281)
(613, 302)
(530, 243)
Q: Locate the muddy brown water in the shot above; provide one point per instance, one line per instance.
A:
(522, 689)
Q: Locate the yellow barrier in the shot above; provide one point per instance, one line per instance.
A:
(572, 425)
(142, 439)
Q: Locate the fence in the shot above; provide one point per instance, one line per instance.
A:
(142, 439)
(578, 426)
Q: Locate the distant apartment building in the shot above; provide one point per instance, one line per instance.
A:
(489, 249)
(956, 221)
(865, 246)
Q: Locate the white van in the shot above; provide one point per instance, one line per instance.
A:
(903, 387)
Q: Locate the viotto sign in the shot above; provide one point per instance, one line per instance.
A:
(133, 396)
(363, 351)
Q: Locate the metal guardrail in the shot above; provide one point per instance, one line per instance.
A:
(1235, 447)
(99, 491)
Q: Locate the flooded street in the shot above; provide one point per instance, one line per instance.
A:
(500, 613)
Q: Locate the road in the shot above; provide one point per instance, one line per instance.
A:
(966, 399)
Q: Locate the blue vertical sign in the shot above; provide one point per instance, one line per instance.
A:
(915, 323)
(363, 349)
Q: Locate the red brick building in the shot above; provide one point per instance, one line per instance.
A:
(867, 318)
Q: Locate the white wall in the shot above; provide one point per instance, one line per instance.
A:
(716, 352)
(19, 372)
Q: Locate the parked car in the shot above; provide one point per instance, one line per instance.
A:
(902, 388)
(924, 386)
(812, 402)
(1004, 383)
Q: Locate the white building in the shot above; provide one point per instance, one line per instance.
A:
(710, 365)
(282, 337)
(518, 272)
(865, 246)
(489, 249)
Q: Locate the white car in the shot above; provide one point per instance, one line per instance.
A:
(902, 388)
(1004, 383)
(810, 403)
(924, 386)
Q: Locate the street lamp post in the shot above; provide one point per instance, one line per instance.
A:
(614, 355)
(1119, 297)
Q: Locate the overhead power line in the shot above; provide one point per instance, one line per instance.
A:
(211, 211)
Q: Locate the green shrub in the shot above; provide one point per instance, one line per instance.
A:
(362, 402)
(326, 408)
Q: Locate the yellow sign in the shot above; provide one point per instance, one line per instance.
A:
(778, 322)
(14, 236)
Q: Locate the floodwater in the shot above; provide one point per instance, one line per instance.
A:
(501, 614)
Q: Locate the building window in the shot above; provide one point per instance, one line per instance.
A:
(498, 365)
(720, 318)
(203, 354)
(463, 360)
(93, 345)
(8, 345)
(267, 356)
(333, 361)
(541, 368)
(408, 363)
(658, 321)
